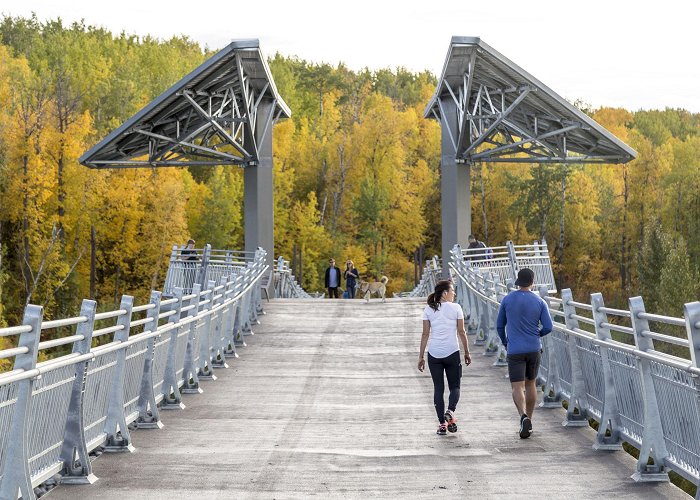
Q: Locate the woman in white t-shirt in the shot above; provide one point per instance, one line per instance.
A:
(443, 322)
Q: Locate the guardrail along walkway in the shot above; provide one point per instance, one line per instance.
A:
(327, 401)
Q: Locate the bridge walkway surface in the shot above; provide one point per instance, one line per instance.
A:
(326, 401)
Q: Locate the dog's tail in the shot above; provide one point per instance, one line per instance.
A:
(384, 280)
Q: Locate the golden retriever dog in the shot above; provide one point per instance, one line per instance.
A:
(377, 287)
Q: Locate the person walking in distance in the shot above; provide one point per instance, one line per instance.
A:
(351, 276)
(443, 323)
(332, 279)
(523, 318)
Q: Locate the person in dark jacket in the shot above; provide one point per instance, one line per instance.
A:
(332, 279)
(351, 276)
(476, 248)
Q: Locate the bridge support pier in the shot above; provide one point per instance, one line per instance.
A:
(258, 202)
(455, 201)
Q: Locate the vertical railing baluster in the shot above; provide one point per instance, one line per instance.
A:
(149, 417)
(16, 476)
(608, 436)
(552, 385)
(74, 454)
(191, 380)
(206, 371)
(653, 444)
(492, 340)
(172, 399)
(218, 342)
(577, 400)
(116, 429)
(230, 320)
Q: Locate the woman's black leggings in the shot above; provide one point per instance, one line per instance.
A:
(452, 367)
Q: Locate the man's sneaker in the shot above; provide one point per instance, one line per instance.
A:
(525, 427)
(442, 430)
(451, 421)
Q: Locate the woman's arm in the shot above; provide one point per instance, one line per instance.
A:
(462, 334)
(423, 344)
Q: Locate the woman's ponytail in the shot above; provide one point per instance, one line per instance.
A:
(440, 288)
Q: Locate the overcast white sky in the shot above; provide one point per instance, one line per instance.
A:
(637, 55)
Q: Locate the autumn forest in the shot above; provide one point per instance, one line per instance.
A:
(356, 177)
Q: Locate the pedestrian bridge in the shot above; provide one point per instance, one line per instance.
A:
(325, 399)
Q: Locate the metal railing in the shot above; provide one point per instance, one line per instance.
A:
(432, 273)
(201, 265)
(286, 285)
(54, 413)
(611, 366)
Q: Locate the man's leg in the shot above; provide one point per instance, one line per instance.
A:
(519, 396)
(530, 396)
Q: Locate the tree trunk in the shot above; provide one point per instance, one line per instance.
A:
(93, 258)
(483, 205)
(26, 271)
(560, 247)
(623, 240)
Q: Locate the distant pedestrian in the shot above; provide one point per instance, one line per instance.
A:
(332, 279)
(477, 250)
(351, 276)
(523, 318)
(443, 323)
(189, 253)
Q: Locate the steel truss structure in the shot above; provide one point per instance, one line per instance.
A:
(216, 115)
(504, 114)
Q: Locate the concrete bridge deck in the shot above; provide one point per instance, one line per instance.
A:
(326, 402)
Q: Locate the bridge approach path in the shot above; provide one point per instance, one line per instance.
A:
(326, 402)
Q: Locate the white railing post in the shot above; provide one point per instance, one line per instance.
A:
(610, 416)
(578, 399)
(219, 338)
(512, 258)
(239, 321)
(230, 320)
(172, 399)
(190, 372)
(653, 444)
(149, 418)
(691, 312)
(502, 354)
(74, 454)
(206, 255)
(492, 339)
(16, 476)
(116, 429)
(552, 385)
(205, 371)
(482, 320)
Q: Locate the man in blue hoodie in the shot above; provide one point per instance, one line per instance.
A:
(527, 318)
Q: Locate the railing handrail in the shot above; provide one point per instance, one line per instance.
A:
(594, 372)
(167, 359)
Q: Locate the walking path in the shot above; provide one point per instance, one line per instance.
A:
(326, 401)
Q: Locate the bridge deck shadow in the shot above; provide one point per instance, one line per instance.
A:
(326, 401)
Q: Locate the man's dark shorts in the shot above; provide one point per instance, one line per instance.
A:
(523, 366)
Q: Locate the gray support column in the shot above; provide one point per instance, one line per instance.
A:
(454, 186)
(257, 181)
